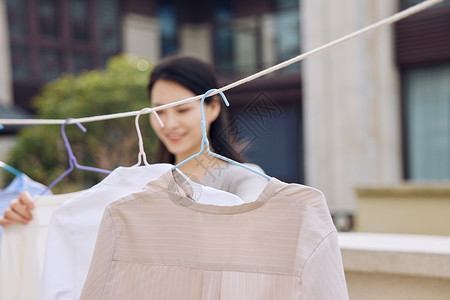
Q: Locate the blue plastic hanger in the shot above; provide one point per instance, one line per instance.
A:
(72, 160)
(205, 142)
(10, 169)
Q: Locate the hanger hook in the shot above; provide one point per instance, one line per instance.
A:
(204, 141)
(72, 158)
(204, 135)
(141, 155)
(10, 169)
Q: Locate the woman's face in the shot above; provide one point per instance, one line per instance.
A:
(182, 131)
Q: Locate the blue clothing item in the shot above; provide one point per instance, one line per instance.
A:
(12, 191)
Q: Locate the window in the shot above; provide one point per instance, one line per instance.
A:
(223, 38)
(287, 29)
(50, 63)
(18, 31)
(108, 29)
(17, 18)
(84, 39)
(20, 62)
(288, 36)
(48, 15)
(80, 61)
(169, 35)
(79, 21)
(427, 104)
(108, 26)
(250, 43)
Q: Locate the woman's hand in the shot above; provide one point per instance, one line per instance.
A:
(19, 210)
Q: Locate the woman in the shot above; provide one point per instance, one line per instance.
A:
(175, 79)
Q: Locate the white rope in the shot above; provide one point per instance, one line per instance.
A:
(394, 18)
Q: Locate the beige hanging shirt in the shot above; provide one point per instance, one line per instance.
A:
(161, 244)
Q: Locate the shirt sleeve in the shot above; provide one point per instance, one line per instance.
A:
(98, 274)
(323, 273)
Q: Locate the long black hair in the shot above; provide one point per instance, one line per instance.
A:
(198, 77)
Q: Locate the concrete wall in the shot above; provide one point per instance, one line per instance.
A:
(397, 267)
(6, 96)
(141, 36)
(351, 99)
(407, 208)
(195, 40)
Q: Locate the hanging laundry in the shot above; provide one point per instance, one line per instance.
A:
(162, 244)
(20, 183)
(74, 227)
(23, 248)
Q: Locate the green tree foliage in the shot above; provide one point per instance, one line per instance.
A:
(121, 87)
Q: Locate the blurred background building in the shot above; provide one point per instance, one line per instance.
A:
(361, 120)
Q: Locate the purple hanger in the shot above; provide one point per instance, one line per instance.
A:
(72, 160)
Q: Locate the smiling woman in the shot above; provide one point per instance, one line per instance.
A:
(182, 77)
(181, 134)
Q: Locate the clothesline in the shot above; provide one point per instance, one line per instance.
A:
(389, 20)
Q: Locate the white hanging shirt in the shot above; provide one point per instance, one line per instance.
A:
(74, 226)
(162, 244)
(23, 248)
(236, 180)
